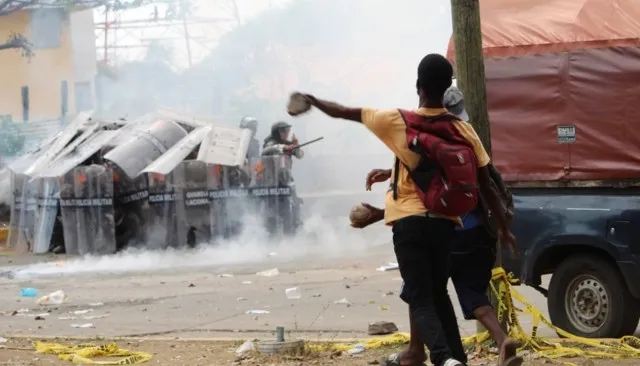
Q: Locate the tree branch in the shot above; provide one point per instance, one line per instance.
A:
(9, 6)
(18, 41)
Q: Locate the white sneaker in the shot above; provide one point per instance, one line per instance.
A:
(452, 362)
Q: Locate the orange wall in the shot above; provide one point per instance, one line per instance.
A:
(42, 74)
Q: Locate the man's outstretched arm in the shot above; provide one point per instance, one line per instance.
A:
(335, 110)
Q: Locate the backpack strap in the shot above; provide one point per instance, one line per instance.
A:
(411, 117)
(428, 169)
(396, 174)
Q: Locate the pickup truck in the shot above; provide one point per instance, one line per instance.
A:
(585, 238)
(563, 100)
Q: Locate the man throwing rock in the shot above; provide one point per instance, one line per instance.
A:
(422, 239)
(473, 254)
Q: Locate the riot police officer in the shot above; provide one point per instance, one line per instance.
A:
(278, 143)
(277, 153)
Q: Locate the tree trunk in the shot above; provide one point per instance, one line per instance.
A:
(469, 62)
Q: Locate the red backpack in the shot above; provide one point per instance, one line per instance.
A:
(447, 174)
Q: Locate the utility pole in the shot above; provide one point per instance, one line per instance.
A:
(469, 63)
(467, 38)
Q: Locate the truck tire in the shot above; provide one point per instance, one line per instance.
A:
(588, 298)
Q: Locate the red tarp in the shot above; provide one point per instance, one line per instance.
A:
(554, 64)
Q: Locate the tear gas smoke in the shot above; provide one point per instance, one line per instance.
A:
(320, 237)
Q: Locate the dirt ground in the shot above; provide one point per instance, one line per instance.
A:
(214, 353)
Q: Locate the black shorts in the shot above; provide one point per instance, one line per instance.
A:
(473, 255)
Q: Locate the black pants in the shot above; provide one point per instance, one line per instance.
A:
(473, 255)
(423, 248)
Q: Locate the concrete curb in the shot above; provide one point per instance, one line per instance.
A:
(170, 339)
(199, 339)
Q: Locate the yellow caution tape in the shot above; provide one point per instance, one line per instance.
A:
(84, 353)
(571, 346)
(373, 343)
(501, 286)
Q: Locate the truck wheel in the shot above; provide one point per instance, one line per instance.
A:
(588, 298)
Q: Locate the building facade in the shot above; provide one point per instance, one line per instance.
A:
(59, 79)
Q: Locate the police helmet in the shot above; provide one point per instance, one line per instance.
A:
(250, 123)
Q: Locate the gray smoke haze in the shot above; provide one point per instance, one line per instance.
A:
(359, 53)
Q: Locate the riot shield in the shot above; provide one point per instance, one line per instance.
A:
(161, 223)
(217, 216)
(147, 143)
(69, 213)
(130, 204)
(274, 190)
(92, 205)
(23, 209)
(236, 199)
(194, 206)
(46, 214)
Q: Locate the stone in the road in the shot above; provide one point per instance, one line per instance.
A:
(382, 328)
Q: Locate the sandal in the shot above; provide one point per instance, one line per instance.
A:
(394, 360)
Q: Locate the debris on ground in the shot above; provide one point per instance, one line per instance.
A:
(391, 266)
(358, 348)
(194, 352)
(54, 298)
(382, 328)
(293, 293)
(81, 312)
(269, 273)
(28, 292)
(245, 348)
(343, 301)
(256, 312)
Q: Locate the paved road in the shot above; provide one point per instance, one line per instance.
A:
(188, 294)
